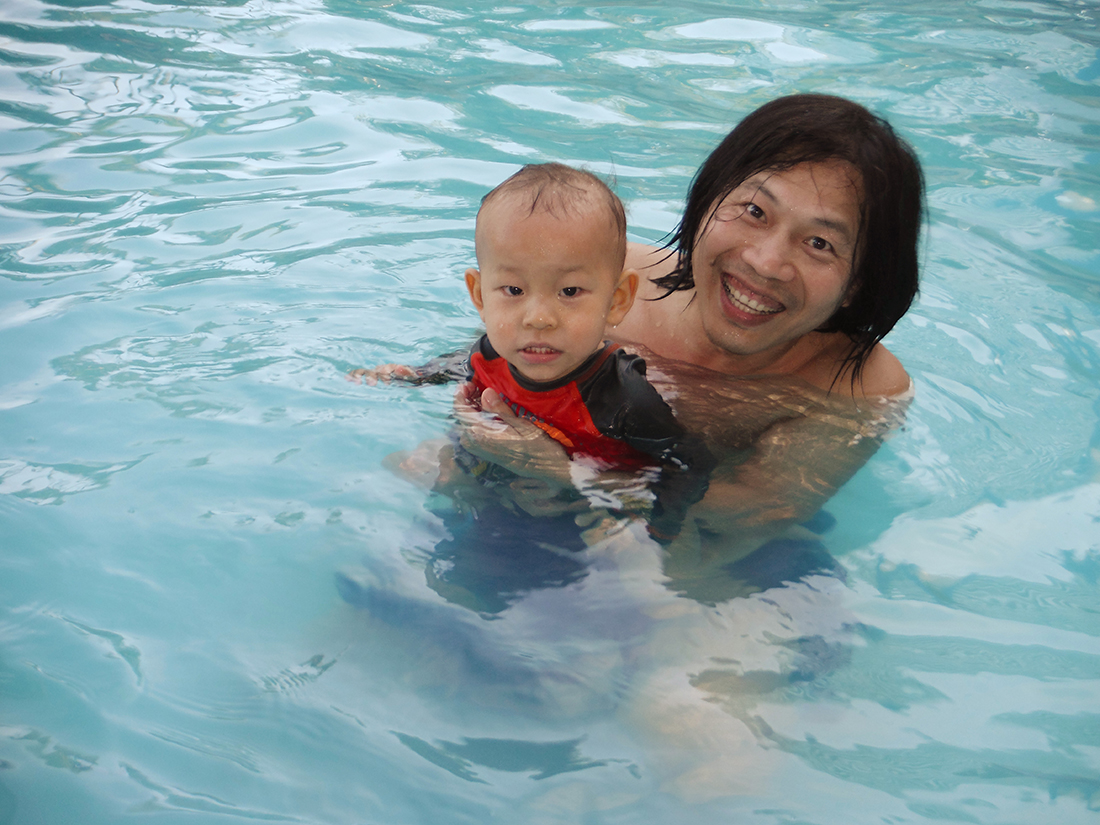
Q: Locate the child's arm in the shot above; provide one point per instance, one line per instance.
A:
(454, 366)
(383, 372)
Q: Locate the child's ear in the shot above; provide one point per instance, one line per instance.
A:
(623, 297)
(473, 286)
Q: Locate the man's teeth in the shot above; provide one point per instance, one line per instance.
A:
(748, 302)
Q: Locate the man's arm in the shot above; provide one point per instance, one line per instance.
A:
(490, 430)
(777, 482)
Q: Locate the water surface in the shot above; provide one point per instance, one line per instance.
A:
(210, 212)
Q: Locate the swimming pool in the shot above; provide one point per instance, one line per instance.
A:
(212, 211)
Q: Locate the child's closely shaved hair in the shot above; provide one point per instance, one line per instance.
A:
(561, 191)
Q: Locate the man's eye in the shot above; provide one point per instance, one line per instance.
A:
(570, 291)
(820, 244)
(513, 291)
(754, 211)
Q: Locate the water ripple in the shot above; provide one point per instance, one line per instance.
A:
(169, 798)
(126, 651)
(51, 483)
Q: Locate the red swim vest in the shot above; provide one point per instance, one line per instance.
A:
(558, 407)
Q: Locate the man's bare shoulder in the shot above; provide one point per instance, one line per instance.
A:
(650, 261)
(654, 311)
(883, 376)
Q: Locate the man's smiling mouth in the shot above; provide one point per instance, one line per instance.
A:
(747, 303)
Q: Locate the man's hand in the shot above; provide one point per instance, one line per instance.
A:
(490, 430)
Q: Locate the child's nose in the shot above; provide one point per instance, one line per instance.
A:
(540, 315)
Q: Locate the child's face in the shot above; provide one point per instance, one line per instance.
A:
(548, 286)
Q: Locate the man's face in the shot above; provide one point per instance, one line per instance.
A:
(547, 286)
(774, 260)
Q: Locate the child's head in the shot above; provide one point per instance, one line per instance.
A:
(551, 244)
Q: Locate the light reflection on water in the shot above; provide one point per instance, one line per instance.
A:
(210, 212)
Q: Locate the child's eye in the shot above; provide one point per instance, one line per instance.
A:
(571, 291)
(514, 291)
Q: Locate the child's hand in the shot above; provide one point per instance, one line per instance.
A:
(383, 372)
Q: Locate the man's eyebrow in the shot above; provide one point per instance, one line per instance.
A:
(840, 227)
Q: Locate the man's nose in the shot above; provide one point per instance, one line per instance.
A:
(770, 254)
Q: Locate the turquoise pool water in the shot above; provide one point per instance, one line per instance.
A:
(211, 211)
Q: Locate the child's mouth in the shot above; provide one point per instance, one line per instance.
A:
(539, 354)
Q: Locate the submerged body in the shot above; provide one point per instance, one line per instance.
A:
(796, 254)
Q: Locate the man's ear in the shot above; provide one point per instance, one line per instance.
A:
(623, 297)
(473, 286)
